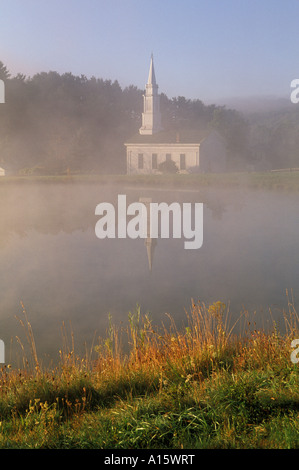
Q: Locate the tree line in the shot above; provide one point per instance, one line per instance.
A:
(52, 123)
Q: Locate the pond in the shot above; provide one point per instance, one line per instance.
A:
(53, 263)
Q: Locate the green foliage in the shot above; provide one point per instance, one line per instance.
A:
(168, 167)
(172, 390)
(4, 73)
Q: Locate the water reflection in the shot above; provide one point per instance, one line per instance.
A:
(149, 242)
(51, 259)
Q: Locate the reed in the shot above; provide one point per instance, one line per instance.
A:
(208, 384)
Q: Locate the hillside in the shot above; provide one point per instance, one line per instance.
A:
(53, 124)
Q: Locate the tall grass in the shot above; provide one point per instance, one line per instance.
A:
(208, 384)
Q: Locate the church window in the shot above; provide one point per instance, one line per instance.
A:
(182, 161)
(140, 161)
(154, 161)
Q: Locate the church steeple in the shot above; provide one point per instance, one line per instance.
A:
(151, 76)
(151, 117)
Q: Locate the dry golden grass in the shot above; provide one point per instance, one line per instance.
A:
(203, 385)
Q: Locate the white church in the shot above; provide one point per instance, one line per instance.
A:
(191, 151)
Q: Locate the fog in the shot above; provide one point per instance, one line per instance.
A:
(53, 124)
(52, 261)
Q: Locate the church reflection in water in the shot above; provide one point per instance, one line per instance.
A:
(149, 242)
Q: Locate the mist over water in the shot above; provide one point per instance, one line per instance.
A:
(52, 261)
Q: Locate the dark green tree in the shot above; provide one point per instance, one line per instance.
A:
(168, 167)
(4, 73)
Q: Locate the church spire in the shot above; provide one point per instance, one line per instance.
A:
(151, 117)
(151, 75)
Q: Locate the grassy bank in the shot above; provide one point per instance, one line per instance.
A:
(285, 180)
(202, 387)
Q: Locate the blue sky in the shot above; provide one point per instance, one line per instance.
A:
(205, 49)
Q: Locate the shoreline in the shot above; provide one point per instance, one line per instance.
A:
(282, 180)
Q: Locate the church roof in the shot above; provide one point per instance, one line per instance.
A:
(182, 136)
